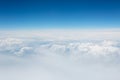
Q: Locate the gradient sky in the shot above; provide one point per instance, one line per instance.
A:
(52, 14)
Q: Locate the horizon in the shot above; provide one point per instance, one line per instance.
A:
(59, 40)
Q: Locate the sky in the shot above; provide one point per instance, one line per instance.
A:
(59, 14)
(59, 40)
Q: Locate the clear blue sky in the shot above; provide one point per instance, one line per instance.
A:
(48, 14)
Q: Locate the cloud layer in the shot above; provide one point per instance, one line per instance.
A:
(94, 51)
(59, 57)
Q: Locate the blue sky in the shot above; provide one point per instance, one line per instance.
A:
(59, 39)
(60, 14)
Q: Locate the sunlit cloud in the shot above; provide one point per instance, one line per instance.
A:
(43, 56)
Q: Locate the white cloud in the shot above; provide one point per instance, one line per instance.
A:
(72, 49)
(65, 34)
(60, 56)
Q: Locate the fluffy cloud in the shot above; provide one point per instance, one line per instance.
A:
(60, 56)
(94, 51)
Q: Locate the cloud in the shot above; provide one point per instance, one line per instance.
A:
(93, 34)
(59, 57)
(94, 51)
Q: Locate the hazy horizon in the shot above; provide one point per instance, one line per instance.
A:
(59, 40)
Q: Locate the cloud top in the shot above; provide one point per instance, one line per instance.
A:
(94, 51)
(60, 56)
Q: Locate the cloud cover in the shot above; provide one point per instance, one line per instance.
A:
(50, 58)
(72, 49)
